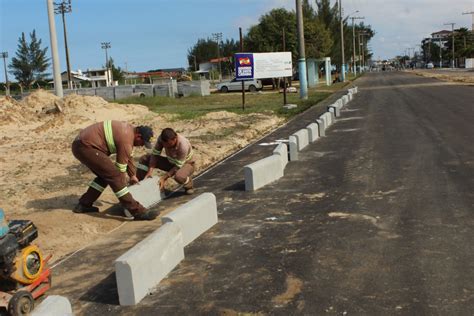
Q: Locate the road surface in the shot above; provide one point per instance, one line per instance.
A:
(376, 218)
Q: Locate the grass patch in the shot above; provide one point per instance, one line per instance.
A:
(268, 101)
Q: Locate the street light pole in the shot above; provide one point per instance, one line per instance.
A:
(354, 64)
(58, 84)
(472, 13)
(4, 55)
(62, 8)
(301, 50)
(342, 43)
(452, 33)
(106, 45)
(218, 37)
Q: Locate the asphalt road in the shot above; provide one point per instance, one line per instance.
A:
(374, 219)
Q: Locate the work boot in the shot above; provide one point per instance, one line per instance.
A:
(79, 208)
(146, 216)
(188, 187)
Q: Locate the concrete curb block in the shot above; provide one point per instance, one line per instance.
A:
(141, 268)
(334, 109)
(282, 151)
(303, 138)
(293, 146)
(262, 172)
(53, 305)
(350, 96)
(345, 99)
(313, 133)
(321, 127)
(327, 119)
(147, 192)
(194, 217)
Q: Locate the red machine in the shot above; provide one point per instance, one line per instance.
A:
(24, 275)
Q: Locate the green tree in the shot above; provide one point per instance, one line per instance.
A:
(30, 62)
(117, 72)
(206, 49)
(267, 35)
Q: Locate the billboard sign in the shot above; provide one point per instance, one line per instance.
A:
(263, 65)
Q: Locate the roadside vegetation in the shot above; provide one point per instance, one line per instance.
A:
(264, 102)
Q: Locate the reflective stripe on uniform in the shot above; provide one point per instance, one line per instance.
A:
(109, 137)
(156, 152)
(180, 163)
(142, 167)
(96, 186)
(121, 193)
(121, 167)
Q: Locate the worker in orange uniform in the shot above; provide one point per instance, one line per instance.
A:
(178, 163)
(94, 145)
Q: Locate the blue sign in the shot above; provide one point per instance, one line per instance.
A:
(244, 66)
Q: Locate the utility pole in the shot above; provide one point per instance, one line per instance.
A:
(218, 37)
(354, 64)
(243, 82)
(472, 13)
(62, 8)
(58, 84)
(342, 43)
(194, 56)
(4, 55)
(106, 45)
(452, 33)
(284, 78)
(302, 57)
(440, 54)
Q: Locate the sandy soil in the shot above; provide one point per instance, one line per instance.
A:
(41, 180)
(461, 76)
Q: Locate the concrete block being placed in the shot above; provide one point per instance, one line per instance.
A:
(313, 133)
(293, 146)
(282, 151)
(147, 192)
(302, 138)
(321, 127)
(141, 268)
(194, 217)
(262, 172)
(53, 305)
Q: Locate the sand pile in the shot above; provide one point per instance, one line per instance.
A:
(41, 180)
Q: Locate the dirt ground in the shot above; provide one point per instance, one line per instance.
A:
(41, 180)
(456, 75)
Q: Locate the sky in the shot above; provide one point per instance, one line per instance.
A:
(156, 34)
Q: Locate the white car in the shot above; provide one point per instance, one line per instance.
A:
(429, 65)
(236, 85)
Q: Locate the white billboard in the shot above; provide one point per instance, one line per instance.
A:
(263, 65)
(272, 65)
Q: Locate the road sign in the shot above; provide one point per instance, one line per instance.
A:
(263, 65)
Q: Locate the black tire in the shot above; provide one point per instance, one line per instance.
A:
(22, 303)
(224, 89)
(252, 88)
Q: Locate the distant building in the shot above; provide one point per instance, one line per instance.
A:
(99, 77)
(77, 78)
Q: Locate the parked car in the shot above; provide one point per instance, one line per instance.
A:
(236, 85)
(429, 66)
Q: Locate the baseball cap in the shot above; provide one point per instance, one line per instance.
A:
(147, 133)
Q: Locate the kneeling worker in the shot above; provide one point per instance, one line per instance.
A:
(179, 161)
(93, 147)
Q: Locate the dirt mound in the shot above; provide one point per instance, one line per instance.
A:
(39, 100)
